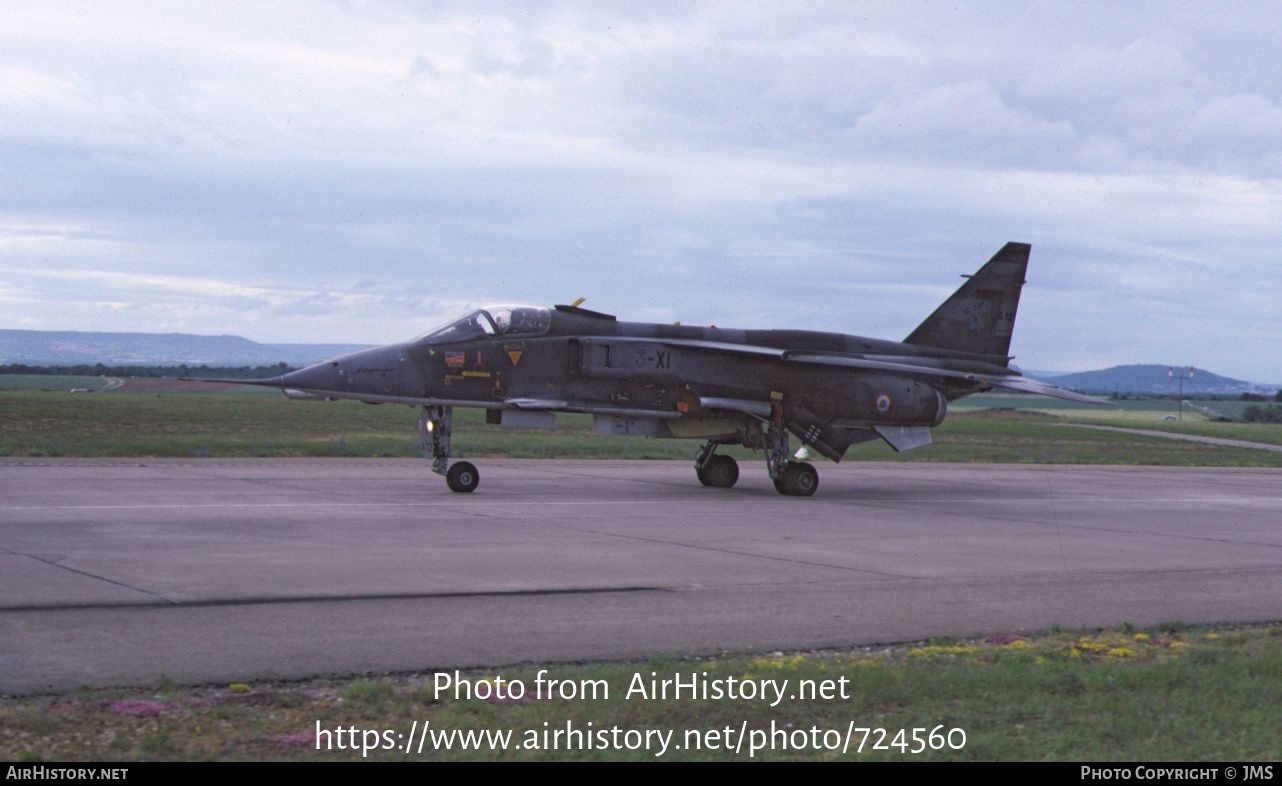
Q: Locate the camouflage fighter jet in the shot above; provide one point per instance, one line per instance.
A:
(524, 364)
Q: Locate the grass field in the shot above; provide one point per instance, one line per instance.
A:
(1151, 410)
(1166, 694)
(34, 423)
(232, 424)
(1133, 413)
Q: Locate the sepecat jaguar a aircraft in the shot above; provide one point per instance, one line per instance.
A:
(524, 364)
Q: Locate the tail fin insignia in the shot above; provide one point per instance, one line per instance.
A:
(980, 316)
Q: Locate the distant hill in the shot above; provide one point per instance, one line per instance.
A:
(1155, 379)
(69, 347)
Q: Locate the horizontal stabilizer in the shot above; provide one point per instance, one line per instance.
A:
(1045, 389)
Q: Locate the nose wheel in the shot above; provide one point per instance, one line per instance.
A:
(462, 477)
(436, 424)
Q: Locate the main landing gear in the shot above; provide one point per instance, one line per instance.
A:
(793, 478)
(436, 424)
(716, 471)
(799, 479)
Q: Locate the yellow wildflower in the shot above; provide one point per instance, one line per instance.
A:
(935, 650)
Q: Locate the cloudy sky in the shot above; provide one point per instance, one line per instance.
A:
(360, 171)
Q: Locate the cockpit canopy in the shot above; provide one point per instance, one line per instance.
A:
(491, 321)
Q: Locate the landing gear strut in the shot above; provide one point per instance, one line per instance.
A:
(794, 478)
(436, 425)
(716, 471)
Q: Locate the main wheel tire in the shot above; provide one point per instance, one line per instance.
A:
(702, 474)
(721, 472)
(462, 477)
(800, 479)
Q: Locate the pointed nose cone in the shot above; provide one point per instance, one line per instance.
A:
(329, 375)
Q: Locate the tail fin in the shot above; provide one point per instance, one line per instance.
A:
(980, 315)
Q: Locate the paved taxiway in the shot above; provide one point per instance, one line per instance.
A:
(117, 571)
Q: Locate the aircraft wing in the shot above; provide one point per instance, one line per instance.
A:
(548, 405)
(711, 346)
(1011, 381)
(269, 382)
(560, 405)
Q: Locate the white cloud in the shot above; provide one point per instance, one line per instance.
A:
(962, 123)
(1094, 76)
(291, 171)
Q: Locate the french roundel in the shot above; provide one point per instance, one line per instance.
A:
(882, 402)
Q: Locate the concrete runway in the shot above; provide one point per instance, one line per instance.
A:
(130, 571)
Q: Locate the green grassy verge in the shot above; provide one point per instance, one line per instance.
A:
(1166, 694)
(1034, 438)
(1135, 408)
(34, 423)
(1132, 413)
(227, 424)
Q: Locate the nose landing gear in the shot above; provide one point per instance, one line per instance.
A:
(436, 424)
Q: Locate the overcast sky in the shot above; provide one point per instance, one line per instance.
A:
(361, 171)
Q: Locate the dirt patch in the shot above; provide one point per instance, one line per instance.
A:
(167, 385)
(1006, 413)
